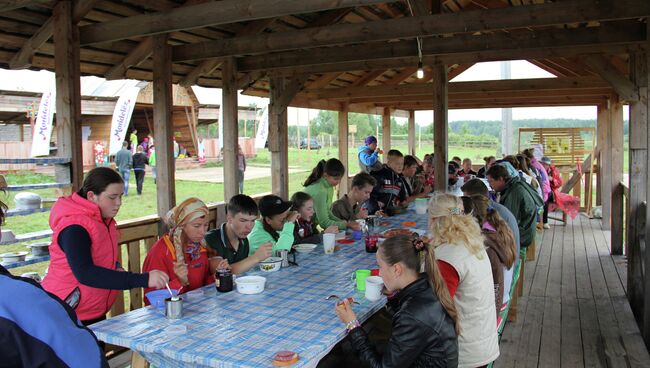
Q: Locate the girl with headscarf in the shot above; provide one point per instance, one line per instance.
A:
(182, 252)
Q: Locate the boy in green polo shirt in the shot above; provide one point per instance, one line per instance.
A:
(230, 239)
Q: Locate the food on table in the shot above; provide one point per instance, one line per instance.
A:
(345, 241)
(409, 223)
(384, 223)
(395, 232)
(285, 358)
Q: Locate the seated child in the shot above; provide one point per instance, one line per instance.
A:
(305, 230)
(388, 194)
(349, 208)
(275, 227)
(229, 240)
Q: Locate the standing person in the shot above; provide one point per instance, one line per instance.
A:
(426, 323)
(369, 155)
(182, 252)
(555, 181)
(84, 271)
(124, 162)
(139, 165)
(201, 151)
(145, 146)
(177, 148)
(229, 240)
(241, 168)
(320, 186)
(133, 138)
(465, 266)
(543, 177)
(152, 162)
(520, 198)
(350, 207)
(305, 230)
(489, 161)
(275, 227)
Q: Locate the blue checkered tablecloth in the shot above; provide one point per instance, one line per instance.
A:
(236, 330)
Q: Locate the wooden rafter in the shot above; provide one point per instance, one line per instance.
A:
(436, 24)
(22, 59)
(367, 78)
(16, 4)
(204, 15)
(459, 69)
(623, 86)
(401, 76)
(524, 42)
(323, 80)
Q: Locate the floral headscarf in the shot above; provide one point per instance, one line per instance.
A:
(184, 213)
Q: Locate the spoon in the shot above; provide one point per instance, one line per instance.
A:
(174, 298)
(339, 299)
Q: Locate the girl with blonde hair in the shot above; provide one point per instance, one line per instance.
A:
(464, 264)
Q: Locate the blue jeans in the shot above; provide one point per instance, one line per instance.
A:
(125, 175)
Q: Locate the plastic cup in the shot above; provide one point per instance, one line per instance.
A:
(374, 286)
(329, 240)
(360, 276)
(357, 234)
(421, 206)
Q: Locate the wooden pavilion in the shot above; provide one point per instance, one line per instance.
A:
(359, 56)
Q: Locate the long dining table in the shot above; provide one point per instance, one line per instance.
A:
(236, 330)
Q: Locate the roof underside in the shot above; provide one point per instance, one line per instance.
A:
(339, 51)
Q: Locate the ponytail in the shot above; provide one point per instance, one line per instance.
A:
(484, 212)
(402, 249)
(332, 167)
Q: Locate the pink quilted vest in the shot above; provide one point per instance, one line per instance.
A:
(60, 281)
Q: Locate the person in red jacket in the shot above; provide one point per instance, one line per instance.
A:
(555, 182)
(182, 253)
(84, 271)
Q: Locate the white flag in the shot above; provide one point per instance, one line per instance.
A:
(121, 118)
(262, 129)
(43, 127)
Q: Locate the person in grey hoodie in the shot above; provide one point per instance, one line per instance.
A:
(369, 155)
(124, 162)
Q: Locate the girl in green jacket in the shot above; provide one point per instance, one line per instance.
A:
(275, 227)
(320, 186)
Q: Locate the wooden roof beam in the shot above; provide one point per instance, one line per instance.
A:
(8, 5)
(410, 27)
(453, 73)
(134, 58)
(369, 77)
(23, 58)
(623, 86)
(323, 80)
(207, 14)
(524, 42)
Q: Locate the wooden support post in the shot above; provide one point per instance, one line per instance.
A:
(604, 124)
(230, 128)
(642, 110)
(163, 125)
(278, 126)
(343, 148)
(617, 219)
(615, 138)
(385, 132)
(411, 133)
(638, 170)
(440, 126)
(68, 95)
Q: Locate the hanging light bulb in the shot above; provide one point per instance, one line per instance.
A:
(420, 72)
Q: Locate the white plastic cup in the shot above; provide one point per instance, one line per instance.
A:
(374, 286)
(329, 241)
(421, 206)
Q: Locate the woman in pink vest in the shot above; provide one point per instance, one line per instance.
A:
(84, 271)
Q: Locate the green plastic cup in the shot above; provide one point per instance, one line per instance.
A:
(360, 277)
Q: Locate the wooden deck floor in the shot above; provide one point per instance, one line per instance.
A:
(574, 311)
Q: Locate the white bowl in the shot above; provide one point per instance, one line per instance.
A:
(13, 256)
(271, 264)
(305, 247)
(250, 284)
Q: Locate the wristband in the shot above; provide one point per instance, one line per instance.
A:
(352, 325)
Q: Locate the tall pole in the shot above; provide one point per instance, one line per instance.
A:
(506, 116)
(440, 126)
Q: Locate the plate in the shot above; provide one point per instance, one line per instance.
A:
(305, 247)
(394, 232)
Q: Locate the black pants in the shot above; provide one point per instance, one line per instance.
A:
(139, 180)
(551, 199)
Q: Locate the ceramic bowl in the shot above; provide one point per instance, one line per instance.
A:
(250, 284)
(271, 264)
(13, 256)
(305, 247)
(40, 249)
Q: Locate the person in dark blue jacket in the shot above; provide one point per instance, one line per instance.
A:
(37, 329)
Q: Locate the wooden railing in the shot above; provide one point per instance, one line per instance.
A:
(137, 236)
(620, 218)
